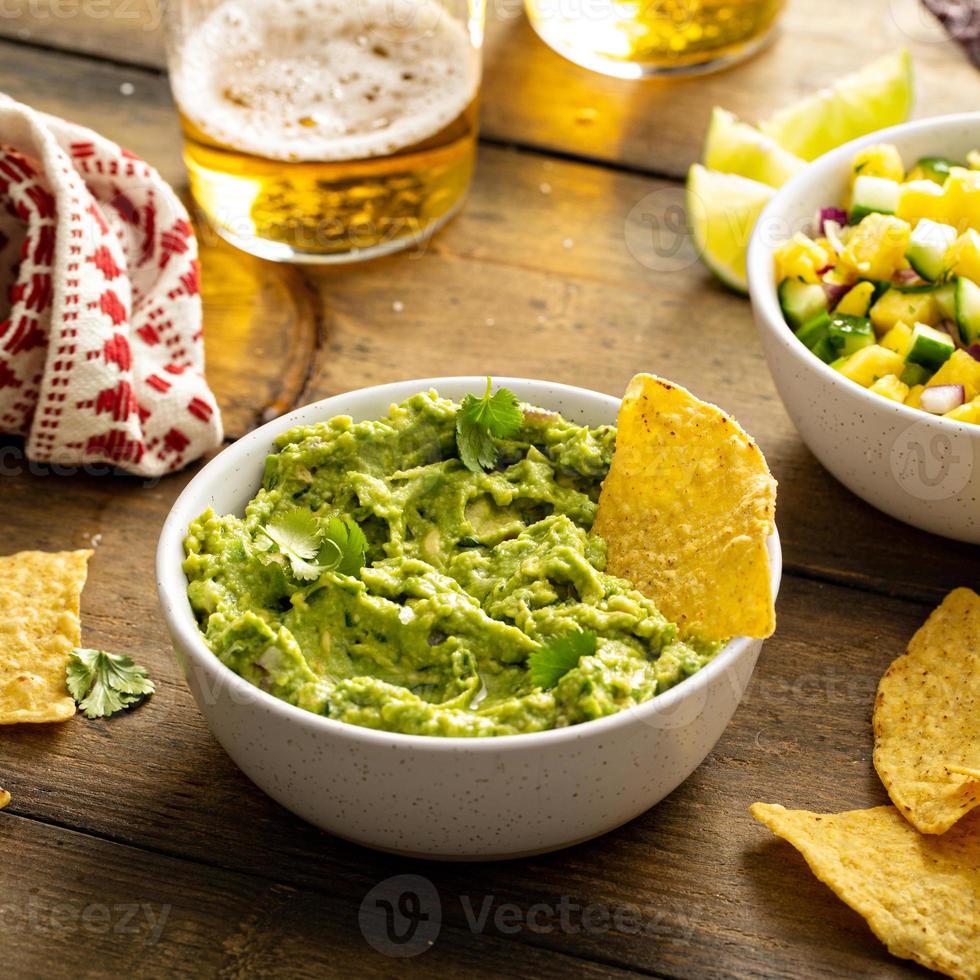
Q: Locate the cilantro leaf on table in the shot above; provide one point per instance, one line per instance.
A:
(479, 421)
(556, 657)
(344, 546)
(297, 535)
(104, 683)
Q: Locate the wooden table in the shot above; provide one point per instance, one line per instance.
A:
(134, 846)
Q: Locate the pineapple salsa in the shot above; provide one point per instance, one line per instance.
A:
(887, 292)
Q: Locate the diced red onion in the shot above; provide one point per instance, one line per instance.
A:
(908, 277)
(949, 326)
(830, 214)
(940, 399)
(974, 351)
(833, 232)
(835, 292)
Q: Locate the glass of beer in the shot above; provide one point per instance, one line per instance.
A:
(643, 38)
(327, 130)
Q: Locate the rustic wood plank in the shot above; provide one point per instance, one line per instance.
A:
(535, 98)
(75, 905)
(710, 893)
(263, 333)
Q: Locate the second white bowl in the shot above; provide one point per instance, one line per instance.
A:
(920, 468)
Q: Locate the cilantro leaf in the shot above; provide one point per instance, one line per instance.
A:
(104, 683)
(344, 546)
(555, 658)
(480, 420)
(297, 535)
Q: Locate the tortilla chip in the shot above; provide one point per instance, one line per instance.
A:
(4, 798)
(918, 894)
(927, 718)
(685, 512)
(40, 594)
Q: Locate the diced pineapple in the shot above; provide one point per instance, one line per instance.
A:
(963, 256)
(968, 412)
(973, 159)
(857, 300)
(959, 369)
(890, 387)
(801, 257)
(869, 364)
(898, 339)
(914, 398)
(880, 160)
(895, 306)
(828, 246)
(961, 194)
(919, 199)
(875, 248)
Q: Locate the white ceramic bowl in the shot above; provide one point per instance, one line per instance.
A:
(920, 468)
(452, 798)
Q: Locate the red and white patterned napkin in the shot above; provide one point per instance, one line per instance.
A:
(101, 351)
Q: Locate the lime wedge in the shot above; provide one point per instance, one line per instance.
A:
(734, 147)
(878, 95)
(721, 212)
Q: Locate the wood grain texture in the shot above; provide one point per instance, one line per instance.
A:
(712, 893)
(550, 272)
(76, 905)
(534, 98)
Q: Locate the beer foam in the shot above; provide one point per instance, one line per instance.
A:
(324, 80)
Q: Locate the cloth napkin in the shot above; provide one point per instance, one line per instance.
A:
(961, 18)
(101, 351)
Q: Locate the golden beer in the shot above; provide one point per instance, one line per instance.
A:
(637, 38)
(327, 130)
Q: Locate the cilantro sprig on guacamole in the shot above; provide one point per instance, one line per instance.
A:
(433, 572)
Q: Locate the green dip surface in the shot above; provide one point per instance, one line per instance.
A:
(466, 575)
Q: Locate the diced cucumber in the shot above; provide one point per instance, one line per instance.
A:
(967, 310)
(815, 334)
(915, 374)
(873, 194)
(935, 169)
(930, 347)
(946, 300)
(814, 330)
(926, 250)
(801, 301)
(848, 334)
(826, 351)
(881, 287)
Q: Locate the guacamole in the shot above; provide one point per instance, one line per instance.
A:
(465, 575)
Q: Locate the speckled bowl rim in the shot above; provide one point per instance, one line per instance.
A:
(172, 584)
(761, 274)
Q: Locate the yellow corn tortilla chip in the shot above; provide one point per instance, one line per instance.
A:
(927, 718)
(685, 512)
(920, 895)
(4, 798)
(40, 593)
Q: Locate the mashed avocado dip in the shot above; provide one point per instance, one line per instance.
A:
(465, 575)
